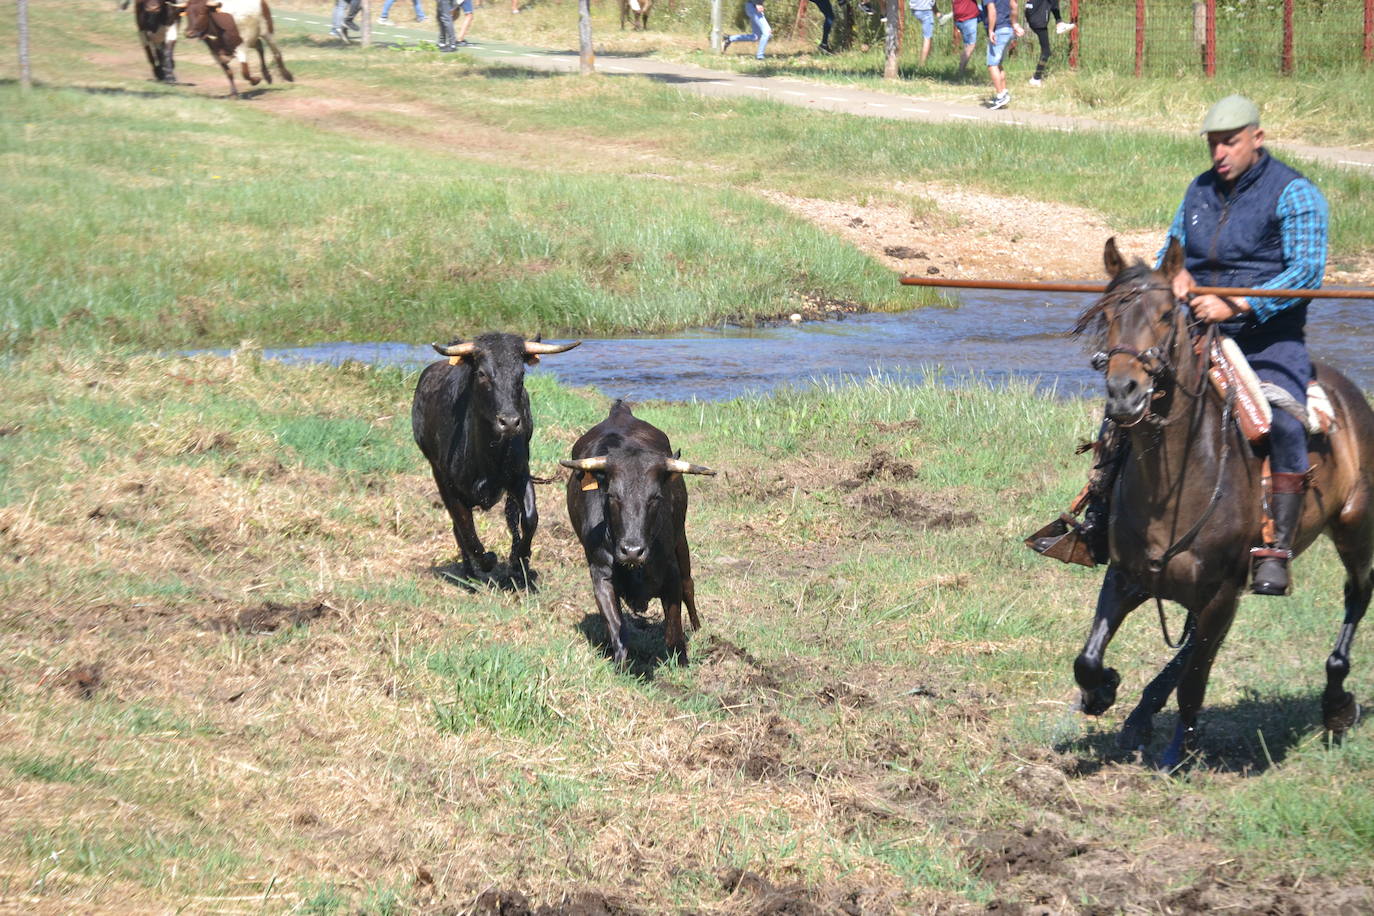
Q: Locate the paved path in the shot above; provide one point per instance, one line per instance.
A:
(783, 89)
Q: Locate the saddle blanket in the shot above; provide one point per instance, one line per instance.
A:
(1230, 370)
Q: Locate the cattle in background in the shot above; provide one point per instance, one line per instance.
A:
(156, 21)
(252, 21)
(636, 12)
(471, 419)
(628, 504)
(217, 29)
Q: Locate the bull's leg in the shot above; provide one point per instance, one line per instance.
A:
(153, 60)
(1117, 598)
(262, 63)
(224, 65)
(522, 518)
(1355, 546)
(609, 604)
(1139, 727)
(673, 636)
(252, 80)
(689, 588)
(464, 532)
(169, 69)
(1213, 622)
(277, 59)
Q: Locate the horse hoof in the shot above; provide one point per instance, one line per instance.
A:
(1099, 699)
(1135, 736)
(1337, 717)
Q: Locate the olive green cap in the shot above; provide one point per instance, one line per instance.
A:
(1232, 112)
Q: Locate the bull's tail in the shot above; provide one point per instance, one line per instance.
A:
(267, 18)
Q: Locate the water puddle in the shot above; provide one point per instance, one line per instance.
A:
(992, 335)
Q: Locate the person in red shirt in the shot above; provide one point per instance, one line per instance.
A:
(966, 21)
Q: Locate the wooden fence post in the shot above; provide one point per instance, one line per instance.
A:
(1369, 31)
(25, 74)
(1209, 53)
(1286, 60)
(1139, 37)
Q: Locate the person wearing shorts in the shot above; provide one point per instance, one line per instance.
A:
(966, 21)
(448, 41)
(1002, 26)
(924, 12)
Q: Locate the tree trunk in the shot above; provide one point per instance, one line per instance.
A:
(715, 25)
(367, 23)
(586, 56)
(894, 13)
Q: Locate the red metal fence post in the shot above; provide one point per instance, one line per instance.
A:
(1286, 64)
(1369, 31)
(1073, 36)
(1139, 36)
(1209, 54)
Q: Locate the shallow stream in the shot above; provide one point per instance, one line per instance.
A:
(992, 335)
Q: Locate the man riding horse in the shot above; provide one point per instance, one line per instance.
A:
(1249, 220)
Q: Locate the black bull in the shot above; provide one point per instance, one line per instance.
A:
(471, 419)
(628, 504)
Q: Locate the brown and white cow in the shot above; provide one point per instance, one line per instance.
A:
(252, 21)
(156, 21)
(635, 12)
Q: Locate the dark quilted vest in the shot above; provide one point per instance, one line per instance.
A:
(1235, 239)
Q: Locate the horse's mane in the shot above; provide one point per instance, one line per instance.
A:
(1092, 323)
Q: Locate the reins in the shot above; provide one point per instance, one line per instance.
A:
(1157, 363)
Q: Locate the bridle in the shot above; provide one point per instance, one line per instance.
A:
(1156, 362)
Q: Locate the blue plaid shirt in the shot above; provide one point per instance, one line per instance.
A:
(1303, 215)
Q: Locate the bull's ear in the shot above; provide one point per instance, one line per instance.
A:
(1173, 259)
(677, 454)
(531, 359)
(1111, 258)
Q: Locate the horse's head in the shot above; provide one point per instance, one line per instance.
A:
(1132, 329)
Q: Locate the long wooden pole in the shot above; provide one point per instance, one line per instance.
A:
(1038, 286)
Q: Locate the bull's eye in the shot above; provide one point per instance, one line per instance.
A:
(482, 377)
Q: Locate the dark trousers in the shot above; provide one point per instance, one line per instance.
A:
(1284, 362)
(1042, 35)
(443, 12)
(828, 14)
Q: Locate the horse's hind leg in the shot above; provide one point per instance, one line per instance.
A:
(1117, 598)
(1339, 709)
(1139, 727)
(1213, 623)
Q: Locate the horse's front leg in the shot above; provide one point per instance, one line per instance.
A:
(1139, 727)
(1117, 598)
(1213, 623)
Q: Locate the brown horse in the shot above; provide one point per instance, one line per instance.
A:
(1186, 503)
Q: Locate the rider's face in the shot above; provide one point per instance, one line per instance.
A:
(1234, 151)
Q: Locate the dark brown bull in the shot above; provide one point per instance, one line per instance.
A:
(156, 21)
(471, 418)
(1186, 505)
(628, 504)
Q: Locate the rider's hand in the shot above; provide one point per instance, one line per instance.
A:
(1182, 282)
(1212, 308)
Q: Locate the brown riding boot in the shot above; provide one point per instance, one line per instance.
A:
(1070, 541)
(1269, 574)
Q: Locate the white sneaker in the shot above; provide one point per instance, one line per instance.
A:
(1001, 100)
(1034, 81)
(1065, 27)
(945, 17)
(382, 20)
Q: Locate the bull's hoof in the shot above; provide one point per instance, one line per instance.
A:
(1099, 699)
(1340, 715)
(487, 561)
(254, 80)
(1181, 747)
(286, 75)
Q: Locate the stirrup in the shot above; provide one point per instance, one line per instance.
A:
(1063, 540)
(1257, 557)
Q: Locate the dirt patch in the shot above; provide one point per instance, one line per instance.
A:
(268, 618)
(908, 508)
(1001, 854)
(943, 229)
(500, 902)
(82, 681)
(753, 748)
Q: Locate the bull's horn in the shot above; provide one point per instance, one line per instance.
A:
(461, 349)
(180, 6)
(585, 464)
(535, 348)
(679, 466)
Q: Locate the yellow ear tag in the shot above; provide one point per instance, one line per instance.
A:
(590, 484)
(454, 360)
